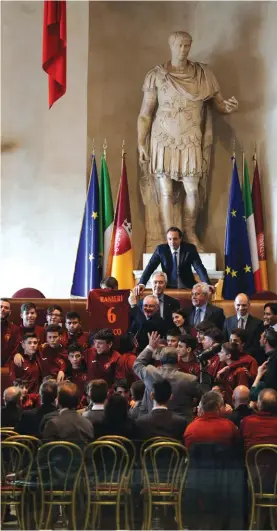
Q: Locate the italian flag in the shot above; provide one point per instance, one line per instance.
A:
(106, 214)
(251, 231)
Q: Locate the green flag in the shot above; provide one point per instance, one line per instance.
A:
(251, 230)
(106, 213)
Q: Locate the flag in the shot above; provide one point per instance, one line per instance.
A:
(259, 224)
(251, 231)
(121, 259)
(238, 275)
(86, 274)
(54, 48)
(106, 214)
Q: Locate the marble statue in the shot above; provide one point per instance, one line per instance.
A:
(175, 139)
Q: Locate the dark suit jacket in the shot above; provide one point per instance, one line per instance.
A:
(170, 305)
(254, 328)
(161, 423)
(30, 420)
(68, 425)
(239, 413)
(10, 415)
(188, 257)
(213, 314)
(141, 326)
(94, 415)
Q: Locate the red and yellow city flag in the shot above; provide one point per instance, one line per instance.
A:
(121, 260)
(54, 48)
(259, 223)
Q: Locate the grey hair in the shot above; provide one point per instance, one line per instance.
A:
(161, 273)
(210, 401)
(152, 297)
(173, 36)
(204, 286)
(169, 355)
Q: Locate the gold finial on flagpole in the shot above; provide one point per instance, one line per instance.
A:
(123, 148)
(243, 159)
(234, 149)
(255, 153)
(93, 148)
(105, 146)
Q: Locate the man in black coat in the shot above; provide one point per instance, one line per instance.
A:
(167, 304)
(202, 309)
(161, 422)
(243, 319)
(176, 259)
(147, 320)
(29, 423)
(11, 412)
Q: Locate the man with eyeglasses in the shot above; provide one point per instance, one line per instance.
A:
(145, 320)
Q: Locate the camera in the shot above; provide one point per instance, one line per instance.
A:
(207, 354)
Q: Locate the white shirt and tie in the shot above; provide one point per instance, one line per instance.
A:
(177, 253)
(242, 320)
(199, 315)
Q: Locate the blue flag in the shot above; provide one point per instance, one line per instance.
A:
(238, 275)
(86, 275)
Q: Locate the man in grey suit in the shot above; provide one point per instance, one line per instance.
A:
(68, 425)
(202, 309)
(98, 392)
(243, 319)
(184, 386)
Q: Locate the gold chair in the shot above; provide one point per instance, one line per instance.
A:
(7, 432)
(164, 467)
(153, 440)
(16, 465)
(59, 466)
(107, 465)
(261, 464)
(32, 442)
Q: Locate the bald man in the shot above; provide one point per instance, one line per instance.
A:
(261, 427)
(146, 320)
(11, 412)
(241, 404)
(243, 319)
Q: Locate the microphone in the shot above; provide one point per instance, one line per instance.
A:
(208, 353)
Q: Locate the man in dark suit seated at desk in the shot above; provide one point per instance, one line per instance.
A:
(176, 259)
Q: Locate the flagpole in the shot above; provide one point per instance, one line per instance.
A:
(105, 147)
(234, 152)
(243, 162)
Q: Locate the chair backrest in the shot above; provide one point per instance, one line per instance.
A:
(148, 442)
(127, 443)
(59, 465)
(107, 463)
(261, 464)
(7, 432)
(16, 465)
(32, 442)
(165, 465)
(28, 293)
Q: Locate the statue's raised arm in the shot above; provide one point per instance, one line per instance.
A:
(175, 139)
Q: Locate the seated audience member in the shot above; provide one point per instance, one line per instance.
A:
(202, 309)
(267, 372)
(54, 315)
(232, 373)
(101, 359)
(212, 337)
(239, 337)
(10, 336)
(137, 392)
(187, 361)
(77, 372)
(146, 320)
(211, 426)
(28, 400)
(11, 412)
(243, 319)
(167, 304)
(172, 338)
(179, 318)
(241, 405)
(219, 387)
(270, 315)
(116, 420)
(74, 332)
(125, 363)
(261, 427)
(109, 283)
(30, 369)
(98, 392)
(184, 386)
(68, 425)
(161, 422)
(121, 387)
(53, 355)
(29, 422)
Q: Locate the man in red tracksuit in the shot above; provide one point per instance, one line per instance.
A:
(101, 359)
(187, 361)
(54, 357)
(237, 373)
(239, 336)
(124, 366)
(31, 367)
(77, 372)
(74, 332)
(10, 336)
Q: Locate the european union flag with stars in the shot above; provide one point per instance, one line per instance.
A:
(86, 275)
(238, 275)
